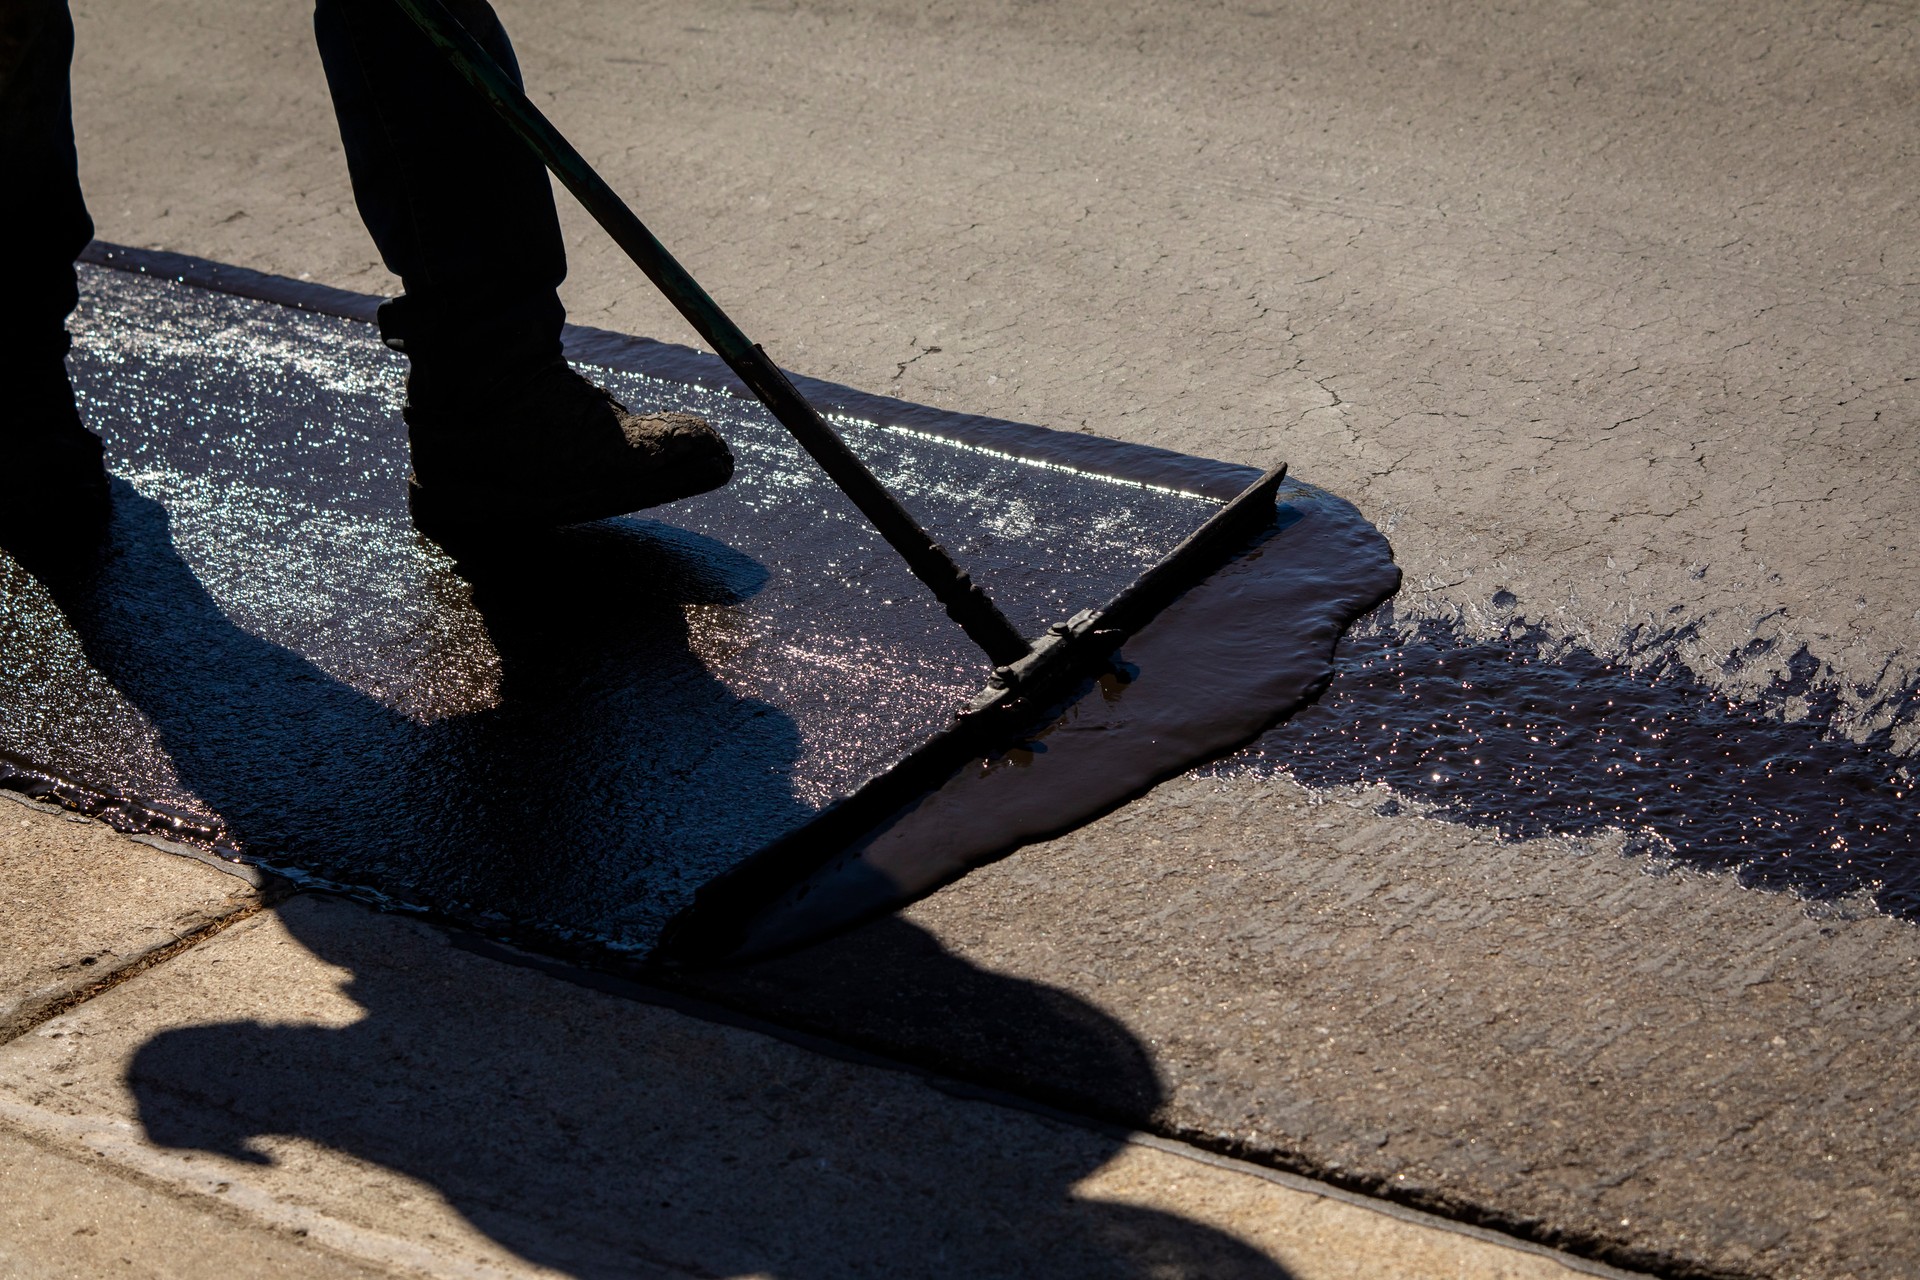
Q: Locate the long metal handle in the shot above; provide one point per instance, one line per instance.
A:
(965, 602)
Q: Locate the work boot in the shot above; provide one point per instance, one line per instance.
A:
(54, 503)
(552, 449)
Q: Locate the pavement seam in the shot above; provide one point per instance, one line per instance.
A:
(259, 879)
(1596, 1253)
(712, 1011)
(1387, 1208)
(33, 1016)
(118, 1145)
(272, 892)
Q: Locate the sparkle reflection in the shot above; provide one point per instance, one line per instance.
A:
(271, 661)
(1531, 740)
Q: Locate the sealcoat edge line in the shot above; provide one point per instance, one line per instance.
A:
(672, 362)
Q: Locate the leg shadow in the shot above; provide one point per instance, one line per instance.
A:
(602, 1138)
(606, 771)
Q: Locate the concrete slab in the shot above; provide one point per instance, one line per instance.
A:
(408, 1103)
(83, 904)
(78, 1217)
(1665, 1070)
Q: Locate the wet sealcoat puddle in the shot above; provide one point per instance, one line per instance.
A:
(1535, 737)
(272, 662)
(274, 657)
(565, 743)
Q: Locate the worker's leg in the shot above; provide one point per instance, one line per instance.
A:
(49, 464)
(502, 431)
(459, 209)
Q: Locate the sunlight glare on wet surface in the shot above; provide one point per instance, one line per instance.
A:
(1537, 739)
(584, 737)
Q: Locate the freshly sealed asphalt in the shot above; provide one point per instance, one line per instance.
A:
(574, 731)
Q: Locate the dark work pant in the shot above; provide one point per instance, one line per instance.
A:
(462, 212)
(458, 208)
(42, 218)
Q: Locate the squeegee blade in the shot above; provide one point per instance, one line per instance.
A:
(764, 906)
(1065, 651)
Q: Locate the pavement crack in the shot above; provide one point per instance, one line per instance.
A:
(26, 1019)
(920, 353)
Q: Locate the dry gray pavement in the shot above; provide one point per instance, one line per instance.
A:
(1609, 306)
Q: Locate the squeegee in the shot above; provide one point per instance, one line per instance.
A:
(1030, 678)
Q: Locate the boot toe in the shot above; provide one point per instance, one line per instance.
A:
(583, 458)
(676, 455)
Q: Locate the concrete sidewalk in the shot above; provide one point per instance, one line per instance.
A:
(315, 1089)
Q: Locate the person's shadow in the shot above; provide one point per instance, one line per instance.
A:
(592, 768)
(584, 1140)
(600, 1138)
